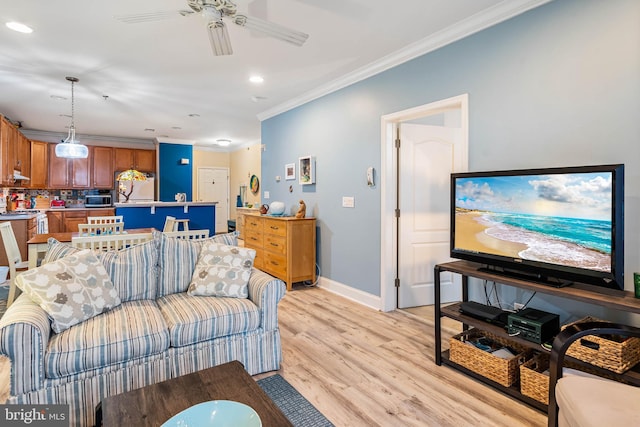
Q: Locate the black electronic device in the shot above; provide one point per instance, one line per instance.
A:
(554, 226)
(533, 325)
(481, 311)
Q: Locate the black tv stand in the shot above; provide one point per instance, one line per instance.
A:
(531, 277)
(612, 299)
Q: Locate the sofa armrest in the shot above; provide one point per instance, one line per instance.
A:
(266, 291)
(24, 334)
(561, 344)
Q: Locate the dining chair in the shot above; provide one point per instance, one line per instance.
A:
(188, 234)
(110, 242)
(104, 219)
(14, 258)
(101, 228)
(169, 223)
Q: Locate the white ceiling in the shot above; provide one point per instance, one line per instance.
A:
(157, 73)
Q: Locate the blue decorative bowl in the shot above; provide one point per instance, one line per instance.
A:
(216, 413)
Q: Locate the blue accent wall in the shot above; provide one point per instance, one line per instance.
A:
(556, 86)
(200, 217)
(175, 177)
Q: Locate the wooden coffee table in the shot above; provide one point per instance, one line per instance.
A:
(154, 404)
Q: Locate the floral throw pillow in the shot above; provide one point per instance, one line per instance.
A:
(222, 271)
(71, 290)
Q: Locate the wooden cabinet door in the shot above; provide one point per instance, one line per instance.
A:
(71, 219)
(145, 160)
(80, 175)
(55, 222)
(39, 164)
(6, 175)
(24, 156)
(102, 167)
(123, 159)
(58, 169)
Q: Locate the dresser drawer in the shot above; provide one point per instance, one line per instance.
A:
(275, 264)
(258, 261)
(252, 224)
(276, 227)
(276, 244)
(253, 239)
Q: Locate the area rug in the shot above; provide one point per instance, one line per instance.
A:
(295, 407)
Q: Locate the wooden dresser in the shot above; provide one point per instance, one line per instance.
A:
(285, 247)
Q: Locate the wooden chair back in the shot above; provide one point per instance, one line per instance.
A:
(110, 242)
(14, 259)
(104, 219)
(170, 223)
(188, 234)
(101, 228)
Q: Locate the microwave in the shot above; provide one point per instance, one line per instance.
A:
(97, 200)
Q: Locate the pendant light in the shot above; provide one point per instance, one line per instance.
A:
(70, 148)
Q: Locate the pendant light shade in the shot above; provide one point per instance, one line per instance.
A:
(70, 148)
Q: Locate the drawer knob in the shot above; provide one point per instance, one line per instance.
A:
(274, 263)
(274, 244)
(275, 227)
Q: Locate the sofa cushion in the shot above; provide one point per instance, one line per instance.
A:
(178, 258)
(194, 319)
(71, 290)
(132, 330)
(133, 271)
(222, 271)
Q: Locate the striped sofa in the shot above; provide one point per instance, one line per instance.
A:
(157, 333)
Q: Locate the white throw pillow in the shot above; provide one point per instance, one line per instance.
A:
(71, 290)
(222, 271)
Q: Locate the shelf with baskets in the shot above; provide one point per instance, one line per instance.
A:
(529, 358)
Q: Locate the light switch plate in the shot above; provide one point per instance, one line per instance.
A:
(266, 194)
(348, 202)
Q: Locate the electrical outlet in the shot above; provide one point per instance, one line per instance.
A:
(517, 306)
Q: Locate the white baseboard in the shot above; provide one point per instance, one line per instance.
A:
(356, 295)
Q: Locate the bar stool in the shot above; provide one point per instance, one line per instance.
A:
(184, 222)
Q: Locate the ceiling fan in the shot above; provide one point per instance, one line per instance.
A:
(214, 11)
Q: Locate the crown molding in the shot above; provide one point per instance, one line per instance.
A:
(492, 16)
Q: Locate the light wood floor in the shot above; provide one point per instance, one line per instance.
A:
(362, 367)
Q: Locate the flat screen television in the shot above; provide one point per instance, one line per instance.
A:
(555, 225)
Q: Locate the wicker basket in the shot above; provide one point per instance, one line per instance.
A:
(533, 382)
(606, 352)
(502, 371)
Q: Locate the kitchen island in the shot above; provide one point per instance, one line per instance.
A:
(201, 215)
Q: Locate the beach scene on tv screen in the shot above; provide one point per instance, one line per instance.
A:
(562, 219)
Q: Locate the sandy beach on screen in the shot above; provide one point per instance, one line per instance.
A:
(470, 235)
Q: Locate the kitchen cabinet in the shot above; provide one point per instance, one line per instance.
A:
(67, 220)
(128, 158)
(23, 163)
(285, 246)
(68, 173)
(102, 173)
(7, 132)
(24, 229)
(39, 164)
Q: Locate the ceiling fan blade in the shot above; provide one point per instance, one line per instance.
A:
(136, 18)
(219, 38)
(273, 30)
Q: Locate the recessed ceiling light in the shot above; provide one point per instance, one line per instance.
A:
(223, 142)
(256, 79)
(21, 28)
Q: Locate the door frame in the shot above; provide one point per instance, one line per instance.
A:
(389, 177)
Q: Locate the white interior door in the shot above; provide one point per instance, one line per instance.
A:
(428, 155)
(213, 186)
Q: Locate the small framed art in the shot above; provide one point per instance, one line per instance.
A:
(307, 167)
(290, 171)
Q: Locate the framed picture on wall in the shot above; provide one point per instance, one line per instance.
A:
(290, 171)
(307, 167)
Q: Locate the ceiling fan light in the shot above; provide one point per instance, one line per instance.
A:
(219, 38)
